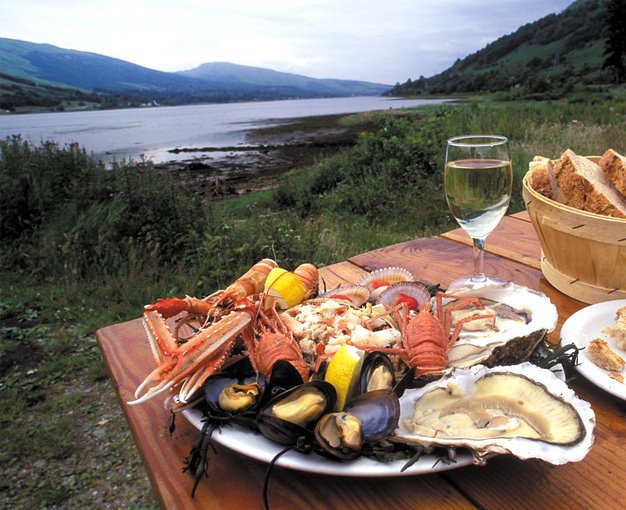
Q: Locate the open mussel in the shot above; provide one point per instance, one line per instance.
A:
(295, 412)
(376, 373)
(236, 390)
(367, 418)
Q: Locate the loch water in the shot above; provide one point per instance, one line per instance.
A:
(154, 131)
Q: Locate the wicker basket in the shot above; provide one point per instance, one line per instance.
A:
(583, 254)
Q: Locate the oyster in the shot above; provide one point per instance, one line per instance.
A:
(523, 318)
(520, 409)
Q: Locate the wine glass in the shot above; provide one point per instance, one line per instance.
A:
(477, 180)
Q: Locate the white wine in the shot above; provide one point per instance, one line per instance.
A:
(478, 192)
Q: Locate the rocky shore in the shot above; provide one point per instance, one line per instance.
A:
(268, 153)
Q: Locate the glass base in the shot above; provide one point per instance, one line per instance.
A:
(472, 282)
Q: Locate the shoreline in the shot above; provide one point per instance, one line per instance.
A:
(268, 153)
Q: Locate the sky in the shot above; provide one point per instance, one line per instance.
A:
(382, 41)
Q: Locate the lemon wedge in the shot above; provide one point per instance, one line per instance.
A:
(343, 373)
(285, 287)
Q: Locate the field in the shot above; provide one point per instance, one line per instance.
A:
(83, 247)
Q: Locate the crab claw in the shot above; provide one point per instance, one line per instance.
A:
(169, 307)
(205, 352)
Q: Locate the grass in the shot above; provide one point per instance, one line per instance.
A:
(83, 248)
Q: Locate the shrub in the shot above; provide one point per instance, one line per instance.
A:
(63, 213)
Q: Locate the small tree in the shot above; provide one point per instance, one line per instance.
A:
(615, 47)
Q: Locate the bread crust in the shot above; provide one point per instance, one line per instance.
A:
(601, 354)
(539, 179)
(583, 185)
(614, 166)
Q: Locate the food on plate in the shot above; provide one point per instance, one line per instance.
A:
(218, 322)
(367, 418)
(285, 287)
(377, 281)
(520, 409)
(343, 372)
(617, 376)
(328, 373)
(354, 294)
(523, 318)
(617, 331)
(614, 166)
(578, 182)
(603, 356)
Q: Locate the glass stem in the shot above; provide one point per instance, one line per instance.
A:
(479, 252)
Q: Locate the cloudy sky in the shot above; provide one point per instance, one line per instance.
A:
(385, 41)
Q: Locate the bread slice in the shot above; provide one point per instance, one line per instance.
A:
(614, 166)
(539, 179)
(583, 185)
(617, 331)
(601, 354)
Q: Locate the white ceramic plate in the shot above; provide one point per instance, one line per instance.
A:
(585, 325)
(252, 444)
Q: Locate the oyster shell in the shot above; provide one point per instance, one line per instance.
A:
(520, 409)
(523, 318)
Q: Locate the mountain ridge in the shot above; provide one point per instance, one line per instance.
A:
(30, 70)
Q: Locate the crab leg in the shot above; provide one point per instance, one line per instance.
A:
(162, 342)
(209, 348)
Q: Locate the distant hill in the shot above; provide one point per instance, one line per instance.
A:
(550, 56)
(257, 77)
(45, 75)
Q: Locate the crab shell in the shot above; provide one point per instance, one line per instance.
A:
(512, 341)
(553, 394)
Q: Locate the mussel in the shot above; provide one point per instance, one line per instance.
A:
(376, 373)
(236, 390)
(295, 412)
(282, 377)
(367, 418)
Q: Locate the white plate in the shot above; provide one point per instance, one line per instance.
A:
(585, 325)
(252, 444)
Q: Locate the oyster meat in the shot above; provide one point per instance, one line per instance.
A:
(523, 317)
(520, 409)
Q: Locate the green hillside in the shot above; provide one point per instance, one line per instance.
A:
(550, 56)
(35, 76)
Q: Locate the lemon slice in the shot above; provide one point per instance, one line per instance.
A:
(343, 373)
(285, 287)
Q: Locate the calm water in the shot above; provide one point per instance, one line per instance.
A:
(152, 132)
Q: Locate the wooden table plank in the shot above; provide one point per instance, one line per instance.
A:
(340, 274)
(522, 215)
(513, 239)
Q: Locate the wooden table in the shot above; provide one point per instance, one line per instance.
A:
(235, 481)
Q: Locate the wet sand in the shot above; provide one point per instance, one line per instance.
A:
(268, 153)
